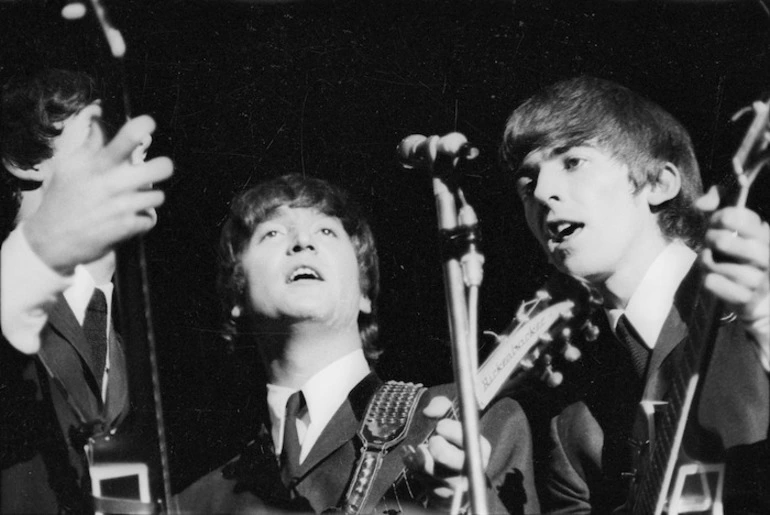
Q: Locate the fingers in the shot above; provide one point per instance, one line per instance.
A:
(710, 201)
(139, 154)
(437, 407)
(132, 135)
(736, 259)
(130, 222)
(744, 221)
(445, 452)
(737, 245)
(446, 446)
(128, 178)
(733, 283)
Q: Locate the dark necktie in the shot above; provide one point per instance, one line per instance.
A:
(631, 340)
(291, 445)
(95, 329)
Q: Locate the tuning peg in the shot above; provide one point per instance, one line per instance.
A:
(590, 331)
(73, 10)
(493, 335)
(571, 353)
(552, 378)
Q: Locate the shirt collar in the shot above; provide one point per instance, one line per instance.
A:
(651, 302)
(324, 392)
(78, 295)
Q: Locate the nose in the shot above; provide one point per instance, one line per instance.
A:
(302, 241)
(548, 185)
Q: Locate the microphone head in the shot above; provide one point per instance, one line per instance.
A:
(408, 149)
(74, 10)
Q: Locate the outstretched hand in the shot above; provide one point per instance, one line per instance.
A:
(736, 257)
(97, 198)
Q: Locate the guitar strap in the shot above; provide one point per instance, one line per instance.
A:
(385, 424)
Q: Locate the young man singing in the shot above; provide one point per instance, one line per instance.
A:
(611, 190)
(300, 278)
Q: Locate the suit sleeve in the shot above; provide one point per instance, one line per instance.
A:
(577, 441)
(510, 470)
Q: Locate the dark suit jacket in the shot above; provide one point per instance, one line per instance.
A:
(41, 455)
(590, 447)
(251, 483)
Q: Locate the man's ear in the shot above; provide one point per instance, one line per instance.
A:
(666, 186)
(29, 174)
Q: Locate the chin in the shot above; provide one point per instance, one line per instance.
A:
(572, 265)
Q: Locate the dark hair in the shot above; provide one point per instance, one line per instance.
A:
(255, 205)
(33, 106)
(631, 128)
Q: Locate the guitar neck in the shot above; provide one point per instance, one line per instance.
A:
(146, 429)
(675, 409)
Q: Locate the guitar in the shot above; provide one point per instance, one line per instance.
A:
(129, 465)
(543, 325)
(666, 479)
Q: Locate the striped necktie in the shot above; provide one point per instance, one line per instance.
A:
(638, 351)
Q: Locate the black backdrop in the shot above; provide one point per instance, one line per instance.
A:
(244, 91)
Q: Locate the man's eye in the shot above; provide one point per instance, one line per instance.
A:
(326, 231)
(270, 234)
(525, 187)
(571, 163)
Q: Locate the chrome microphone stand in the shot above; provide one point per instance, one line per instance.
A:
(463, 271)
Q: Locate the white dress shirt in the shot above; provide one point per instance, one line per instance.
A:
(28, 289)
(651, 303)
(324, 393)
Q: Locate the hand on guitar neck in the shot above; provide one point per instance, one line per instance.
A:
(736, 258)
(440, 460)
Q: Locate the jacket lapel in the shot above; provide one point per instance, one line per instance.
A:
(65, 352)
(674, 329)
(343, 425)
(117, 386)
(323, 476)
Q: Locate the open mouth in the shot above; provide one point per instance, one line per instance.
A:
(561, 231)
(304, 273)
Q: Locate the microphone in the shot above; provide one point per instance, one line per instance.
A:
(418, 151)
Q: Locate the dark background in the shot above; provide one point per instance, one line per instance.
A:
(243, 91)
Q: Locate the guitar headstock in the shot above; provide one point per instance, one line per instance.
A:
(543, 325)
(753, 153)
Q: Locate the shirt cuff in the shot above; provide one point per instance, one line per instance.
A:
(28, 288)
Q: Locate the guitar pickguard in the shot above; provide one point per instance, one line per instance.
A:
(688, 485)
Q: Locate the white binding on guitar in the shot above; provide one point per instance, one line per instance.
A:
(687, 485)
(530, 334)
